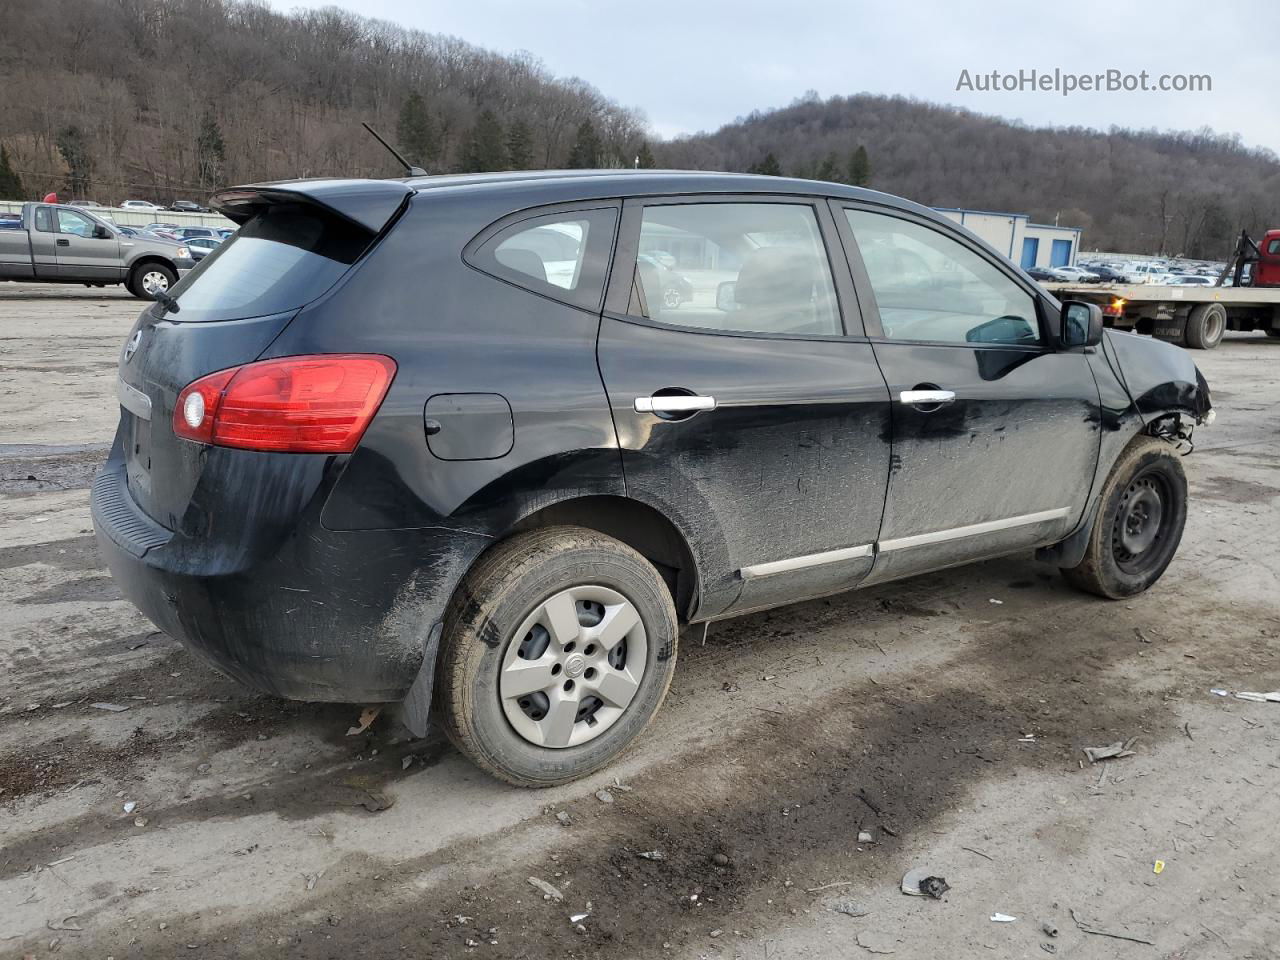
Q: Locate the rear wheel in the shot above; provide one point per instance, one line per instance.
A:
(147, 278)
(1205, 326)
(558, 649)
(1139, 522)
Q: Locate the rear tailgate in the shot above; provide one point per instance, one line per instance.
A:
(290, 250)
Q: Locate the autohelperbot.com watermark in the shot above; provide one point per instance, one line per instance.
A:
(1065, 83)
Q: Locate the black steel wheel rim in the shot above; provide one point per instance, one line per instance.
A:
(1137, 533)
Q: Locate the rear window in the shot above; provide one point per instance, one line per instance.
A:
(283, 258)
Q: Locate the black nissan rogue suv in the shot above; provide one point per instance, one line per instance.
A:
(449, 440)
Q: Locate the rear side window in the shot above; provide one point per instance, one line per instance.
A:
(44, 222)
(564, 256)
(283, 258)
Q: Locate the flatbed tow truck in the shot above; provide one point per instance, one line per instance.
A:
(1195, 316)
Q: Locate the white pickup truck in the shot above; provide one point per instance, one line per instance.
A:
(55, 243)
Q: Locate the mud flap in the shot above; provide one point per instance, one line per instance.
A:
(417, 702)
(1069, 552)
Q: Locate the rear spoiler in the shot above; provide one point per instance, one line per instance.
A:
(367, 203)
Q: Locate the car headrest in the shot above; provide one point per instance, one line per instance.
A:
(776, 275)
(523, 261)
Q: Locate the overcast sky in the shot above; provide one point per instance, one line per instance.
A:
(693, 65)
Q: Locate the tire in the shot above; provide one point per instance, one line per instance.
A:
(1111, 567)
(1273, 332)
(1205, 326)
(142, 274)
(500, 623)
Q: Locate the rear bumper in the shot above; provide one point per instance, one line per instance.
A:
(315, 615)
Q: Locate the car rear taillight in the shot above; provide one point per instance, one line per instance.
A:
(313, 404)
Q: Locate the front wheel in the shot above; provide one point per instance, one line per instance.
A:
(146, 279)
(1139, 522)
(557, 651)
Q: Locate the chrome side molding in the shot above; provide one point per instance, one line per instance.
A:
(899, 543)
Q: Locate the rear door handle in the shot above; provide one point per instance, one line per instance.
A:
(675, 403)
(63, 242)
(927, 396)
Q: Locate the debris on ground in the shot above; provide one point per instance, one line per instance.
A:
(140, 821)
(604, 796)
(578, 917)
(1219, 692)
(130, 806)
(1049, 927)
(864, 836)
(919, 882)
(1090, 929)
(113, 707)
(1157, 867)
(67, 923)
(547, 889)
(367, 716)
(850, 908)
(564, 818)
(1272, 697)
(720, 859)
(875, 942)
(375, 801)
(1002, 918)
(407, 762)
(1112, 751)
(1048, 948)
(652, 855)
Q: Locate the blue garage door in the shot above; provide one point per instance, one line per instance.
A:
(1030, 249)
(1060, 255)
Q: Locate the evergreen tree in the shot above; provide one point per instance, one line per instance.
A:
(830, 170)
(211, 151)
(585, 154)
(768, 167)
(860, 167)
(75, 154)
(10, 182)
(520, 146)
(486, 150)
(416, 133)
(644, 157)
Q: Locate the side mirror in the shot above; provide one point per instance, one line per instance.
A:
(1081, 324)
(102, 233)
(725, 299)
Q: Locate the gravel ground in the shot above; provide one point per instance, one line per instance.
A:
(948, 727)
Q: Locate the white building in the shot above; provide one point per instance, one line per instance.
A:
(1026, 244)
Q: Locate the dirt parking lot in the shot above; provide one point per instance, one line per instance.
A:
(945, 716)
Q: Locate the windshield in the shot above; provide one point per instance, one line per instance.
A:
(283, 258)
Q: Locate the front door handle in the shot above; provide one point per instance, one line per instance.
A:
(927, 397)
(63, 242)
(674, 403)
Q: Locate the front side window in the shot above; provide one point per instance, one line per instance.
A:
(1273, 247)
(735, 267)
(929, 286)
(74, 223)
(561, 255)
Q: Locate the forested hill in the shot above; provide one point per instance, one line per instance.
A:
(157, 99)
(1135, 191)
(170, 99)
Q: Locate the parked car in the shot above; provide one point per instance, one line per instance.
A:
(201, 247)
(675, 288)
(1078, 274)
(58, 243)
(386, 454)
(187, 206)
(1144, 272)
(1106, 274)
(1190, 280)
(1047, 274)
(225, 232)
(188, 233)
(144, 205)
(86, 204)
(166, 231)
